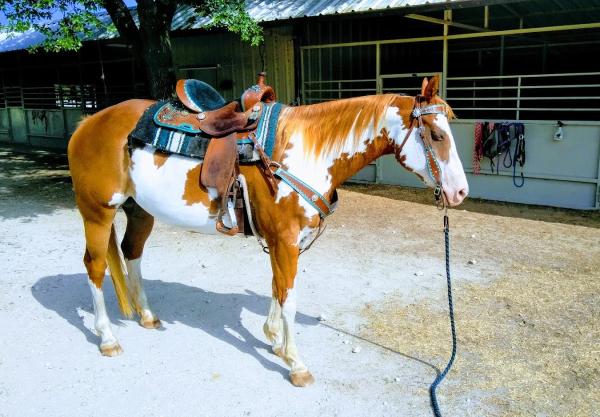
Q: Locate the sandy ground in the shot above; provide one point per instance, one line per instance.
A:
(528, 312)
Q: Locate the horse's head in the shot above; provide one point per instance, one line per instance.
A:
(425, 145)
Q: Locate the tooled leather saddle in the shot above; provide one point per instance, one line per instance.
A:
(201, 121)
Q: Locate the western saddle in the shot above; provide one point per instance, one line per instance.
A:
(207, 111)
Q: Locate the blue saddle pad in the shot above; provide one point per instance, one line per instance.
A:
(194, 145)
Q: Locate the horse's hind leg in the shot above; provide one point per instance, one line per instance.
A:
(97, 236)
(139, 226)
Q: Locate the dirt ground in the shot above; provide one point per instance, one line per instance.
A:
(527, 298)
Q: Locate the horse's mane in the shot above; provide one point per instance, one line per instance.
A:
(325, 126)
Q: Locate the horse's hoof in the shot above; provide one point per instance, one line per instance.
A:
(153, 323)
(301, 379)
(111, 350)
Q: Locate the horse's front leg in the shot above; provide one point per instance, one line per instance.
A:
(284, 262)
(273, 327)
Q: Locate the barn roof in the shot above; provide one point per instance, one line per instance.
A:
(537, 13)
(262, 11)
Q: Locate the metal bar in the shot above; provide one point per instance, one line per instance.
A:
(340, 81)
(447, 17)
(527, 87)
(406, 75)
(486, 17)
(509, 32)
(518, 97)
(524, 108)
(39, 135)
(445, 21)
(333, 90)
(370, 43)
(379, 81)
(463, 36)
(566, 74)
(532, 122)
(485, 171)
(598, 183)
(303, 81)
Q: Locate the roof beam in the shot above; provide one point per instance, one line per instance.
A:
(429, 19)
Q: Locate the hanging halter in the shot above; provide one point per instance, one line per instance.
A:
(433, 167)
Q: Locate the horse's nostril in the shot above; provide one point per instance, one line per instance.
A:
(463, 193)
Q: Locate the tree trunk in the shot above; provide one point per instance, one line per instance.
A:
(155, 25)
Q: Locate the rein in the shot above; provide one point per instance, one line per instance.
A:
(442, 375)
(435, 173)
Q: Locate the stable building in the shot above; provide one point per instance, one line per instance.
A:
(518, 73)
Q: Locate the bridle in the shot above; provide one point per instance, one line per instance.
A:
(433, 166)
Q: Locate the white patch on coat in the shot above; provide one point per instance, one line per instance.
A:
(314, 171)
(305, 236)
(136, 290)
(160, 191)
(453, 173)
(290, 351)
(101, 320)
(117, 199)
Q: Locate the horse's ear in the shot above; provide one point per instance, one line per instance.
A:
(424, 86)
(430, 88)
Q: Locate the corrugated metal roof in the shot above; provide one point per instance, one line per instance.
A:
(269, 11)
(260, 10)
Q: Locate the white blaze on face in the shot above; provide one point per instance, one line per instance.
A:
(314, 171)
(160, 190)
(453, 174)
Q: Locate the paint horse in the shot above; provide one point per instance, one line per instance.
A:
(322, 144)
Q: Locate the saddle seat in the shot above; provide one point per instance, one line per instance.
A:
(209, 114)
(199, 96)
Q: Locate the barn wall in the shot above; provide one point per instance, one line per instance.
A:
(231, 65)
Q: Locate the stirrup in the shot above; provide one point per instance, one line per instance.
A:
(220, 226)
(229, 231)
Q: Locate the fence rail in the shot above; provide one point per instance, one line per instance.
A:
(516, 96)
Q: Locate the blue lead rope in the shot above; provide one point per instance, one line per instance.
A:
(440, 377)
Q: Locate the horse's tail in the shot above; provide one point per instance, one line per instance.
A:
(117, 273)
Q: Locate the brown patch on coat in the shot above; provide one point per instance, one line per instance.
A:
(160, 158)
(344, 167)
(194, 192)
(402, 161)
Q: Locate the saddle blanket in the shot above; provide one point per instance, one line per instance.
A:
(194, 145)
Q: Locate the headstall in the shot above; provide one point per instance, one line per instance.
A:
(433, 166)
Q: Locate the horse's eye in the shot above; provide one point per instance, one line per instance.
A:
(437, 136)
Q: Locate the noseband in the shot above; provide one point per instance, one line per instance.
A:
(433, 167)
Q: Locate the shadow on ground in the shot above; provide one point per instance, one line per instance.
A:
(33, 183)
(586, 218)
(217, 314)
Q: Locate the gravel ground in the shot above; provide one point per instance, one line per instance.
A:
(212, 294)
